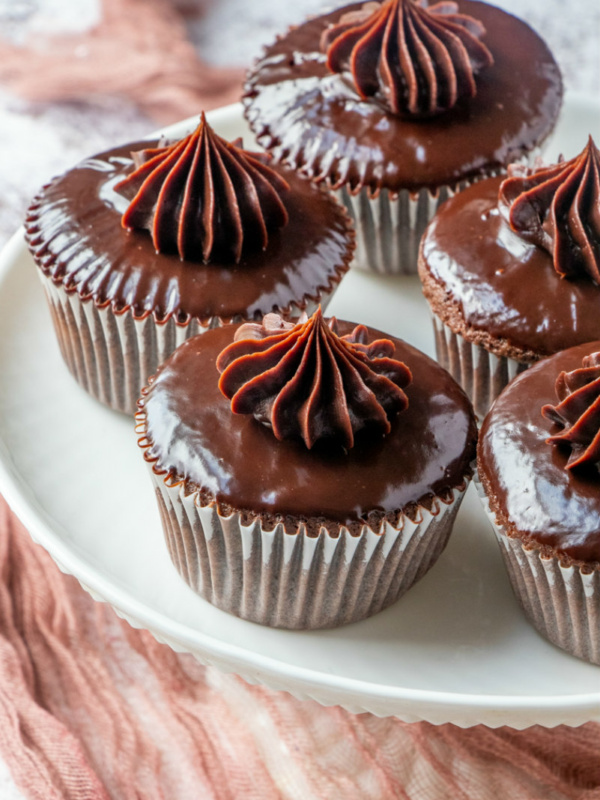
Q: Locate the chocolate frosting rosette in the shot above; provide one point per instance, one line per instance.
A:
(148, 244)
(511, 270)
(307, 473)
(539, 467)
(417, 61)
(399, 104)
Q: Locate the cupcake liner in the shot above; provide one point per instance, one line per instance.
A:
(389, 226)
(294, 580)
(481, 374)
(561, 602)
(111, 354)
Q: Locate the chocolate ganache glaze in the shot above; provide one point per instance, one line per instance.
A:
(305, 380)
(558, 208)
(481, 276)
(204, 197)
(312, 119)
(578, 412)
(527, 481)
(74, 232)
(416, 60)
(191, 433)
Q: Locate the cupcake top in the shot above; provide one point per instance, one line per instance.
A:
(272, 436)
(538, 457)
(519, 259)
(412, 59)
(577, 413)
(558, 209)
(403, 95)
(204, 198)
(198, 228)
(305, 380)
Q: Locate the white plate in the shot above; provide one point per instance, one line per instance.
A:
(455, 649)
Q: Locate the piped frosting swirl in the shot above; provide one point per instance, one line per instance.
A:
(203, 196)
(578, 412)
(415, 60)
(558, 209)
(304, 380)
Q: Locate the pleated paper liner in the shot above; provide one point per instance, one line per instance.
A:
(561, 602)
(481, 374)
(389, 225)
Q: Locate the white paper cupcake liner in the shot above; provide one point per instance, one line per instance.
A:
(297, 581)
(389, 226)
(481, 374)
(561, 602)
(112, 354)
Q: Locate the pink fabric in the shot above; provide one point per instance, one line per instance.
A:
(139, 50)
(91, 708)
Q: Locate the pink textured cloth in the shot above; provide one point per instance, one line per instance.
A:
(139, 50)
(91, 708)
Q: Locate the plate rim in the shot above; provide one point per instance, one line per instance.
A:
(406, 703)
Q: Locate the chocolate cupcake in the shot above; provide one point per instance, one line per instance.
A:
(398, 105)
(538, 460)
(317, 479)
(511, 270)
(139, 252)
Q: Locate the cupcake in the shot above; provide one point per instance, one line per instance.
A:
(315, 479)
(398, 105)
(538, 461)
(511, 270)
(146, 245)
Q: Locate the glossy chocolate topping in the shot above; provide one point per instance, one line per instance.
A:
(75, 234)
(558, 208)
(193, 434)
(415, 60)
(308, 382)
(530, 488)
(578, 412)
(502, 284)
(203, 197)
(313, 120)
